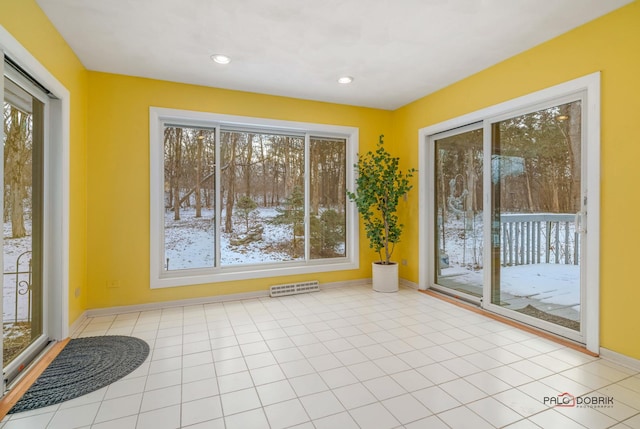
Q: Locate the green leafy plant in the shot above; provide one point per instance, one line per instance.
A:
(379, 185)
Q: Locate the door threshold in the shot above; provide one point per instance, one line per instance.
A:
(31, 374)
(530, 329)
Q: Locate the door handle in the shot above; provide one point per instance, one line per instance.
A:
(579, 221)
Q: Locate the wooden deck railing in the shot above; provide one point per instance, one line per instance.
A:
(539, 238)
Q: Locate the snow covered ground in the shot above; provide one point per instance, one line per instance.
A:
(557, 284)
(548, 283)
(12, 249)
(189, 243)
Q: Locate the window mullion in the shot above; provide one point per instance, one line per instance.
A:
(218, 198)
(307, 187)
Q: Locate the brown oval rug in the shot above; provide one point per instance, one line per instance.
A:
(83, 366)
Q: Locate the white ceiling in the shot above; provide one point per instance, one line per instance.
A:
(396, 50)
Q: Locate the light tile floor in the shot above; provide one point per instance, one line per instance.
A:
(339, 359)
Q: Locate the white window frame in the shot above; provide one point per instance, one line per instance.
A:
(589, 85)
(161, 278)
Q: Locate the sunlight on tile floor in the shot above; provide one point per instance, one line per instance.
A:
(339, 359)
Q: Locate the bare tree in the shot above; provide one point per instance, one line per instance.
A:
(199, 144)
(263, 162)
(248, 163)
(17, 167)
(177, 173)
(231, 181)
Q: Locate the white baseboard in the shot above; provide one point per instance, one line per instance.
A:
(406, 283)
(198, 301)
(78, 324)
(620, 359)
(177, 303)
(358, 282)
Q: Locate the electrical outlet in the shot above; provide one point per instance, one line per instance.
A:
(404, 262)
(77, 292)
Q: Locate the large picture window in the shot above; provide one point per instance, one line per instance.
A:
(235, 198)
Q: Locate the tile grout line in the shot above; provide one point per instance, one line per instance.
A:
(359, 310)
(512, 323)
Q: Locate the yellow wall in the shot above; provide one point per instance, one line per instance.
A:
(611, 45)
(28, 24)
(118, 178)
(110, 168)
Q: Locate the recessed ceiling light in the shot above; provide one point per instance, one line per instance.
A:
(221, 59)
(345, 80)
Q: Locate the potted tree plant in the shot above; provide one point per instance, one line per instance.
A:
(379, 185)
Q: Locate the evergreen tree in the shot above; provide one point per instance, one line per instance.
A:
(327, 232)
(293, 214)
(245, 206)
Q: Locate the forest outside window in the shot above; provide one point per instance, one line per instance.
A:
(236, 198)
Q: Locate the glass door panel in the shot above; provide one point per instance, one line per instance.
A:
(536, 214)
(23, 120)
(458, 204)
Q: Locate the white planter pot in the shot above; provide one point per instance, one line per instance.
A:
(385, 277)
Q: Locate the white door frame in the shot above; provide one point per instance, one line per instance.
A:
(590, 84)
(56, 188)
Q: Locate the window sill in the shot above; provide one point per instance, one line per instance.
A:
(229, 274)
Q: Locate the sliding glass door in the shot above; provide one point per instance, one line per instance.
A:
(508, 214)
(458, 233)
(23, 146)
(536, 216)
